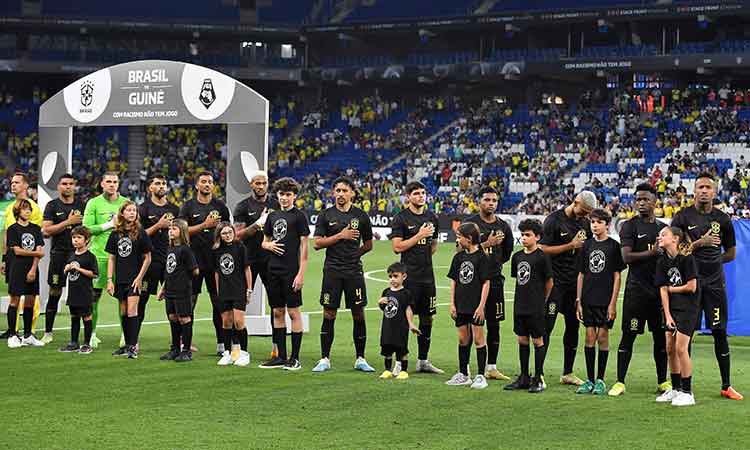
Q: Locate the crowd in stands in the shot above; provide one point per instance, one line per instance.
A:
(487, 142)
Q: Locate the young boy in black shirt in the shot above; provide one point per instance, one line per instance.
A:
(599, 266)
(396, 303)
(677, 278)
(286, 232)
(81, 269)
(25, 243)
(532, 269)
(470, 286)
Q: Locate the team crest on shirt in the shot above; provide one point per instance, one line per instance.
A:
(73, 275)
(581, 235)
(28, 242)
(524, 273)
(391, 308)
(226, 263)
(715, 228)
(171, 263)
(279, 229)
(675, 277)
(466, 272)
(169, 216)
(214, 214)
(354, 224)
(124, 247)
(76, 212)
(597, 261)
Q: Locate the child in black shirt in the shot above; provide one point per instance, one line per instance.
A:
(677, 279)
(599, 266)
(129, 249)
(177, 290)
(470, 286)
(396, 303)
(532, 269)
(81, 269)
(233, 281)
(25, 244)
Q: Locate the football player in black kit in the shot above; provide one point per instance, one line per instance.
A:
(249, 218)
(156, 214)
(60, 216)
(709, 230)
(565, 230)
(414, 233)
(345, 232)
(496, 239)
(202, 213)
(641, 303)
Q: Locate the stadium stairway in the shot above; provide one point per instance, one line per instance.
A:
(136, 151)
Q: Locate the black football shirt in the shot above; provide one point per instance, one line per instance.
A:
(178, 269)
(641, 236)
(343, 257)
(418, 259)
(694, 225)
(80, 287)
(469, 271)
(288, 228)
(531, 271)
(499, 254)
(230, 262)
(676, 272)
(395, 327)
(559, 229)
(196, 213)
(598, 262)
(129, 254)
(248, 211)
(57, 212)
(28, 238)
(150, 213)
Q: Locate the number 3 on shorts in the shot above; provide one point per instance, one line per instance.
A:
(717, 316)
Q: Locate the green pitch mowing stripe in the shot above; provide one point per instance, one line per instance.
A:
(70, 401)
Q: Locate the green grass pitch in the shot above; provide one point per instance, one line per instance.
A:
(68, 401)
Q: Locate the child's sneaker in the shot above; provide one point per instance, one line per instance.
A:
(684, 399)
(459, 379)
(537, 385)
(667, 396)
(243, 360)
(85, 350)
(480, 382)
(617, 390)
(403, 375)
(184, 357)
(386, 375)
(47, 338)
(586, 388)
(31, 341)
(226, 359)
(522, 382)
(70, 348)
(599, 388)
(14, 342)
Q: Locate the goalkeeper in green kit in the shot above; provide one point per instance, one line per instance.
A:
(99, 218)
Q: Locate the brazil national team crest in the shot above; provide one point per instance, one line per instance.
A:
(279, 229)
(597, 261)
(715, 228)
(226, 263)
(634, 324)
(87, 93)
(207, 95)
(581, 235)
(466, 272)
(524, 273)
(391, 308)
(354, 224)
(124, 247)
(214, 214)
(171, 263)
(28, 242)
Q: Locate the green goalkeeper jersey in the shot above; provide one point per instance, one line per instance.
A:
(99, 211)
